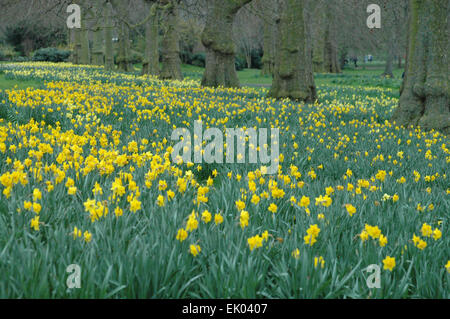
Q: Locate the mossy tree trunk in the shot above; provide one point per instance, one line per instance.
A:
(123, 54)
(71, 43)
(84, 45)
(309, 68)
(318, 58)
(76, 53)
(81, 41)
(217, 37)
(97, 41)
(331, 61)
(84, 57)
(170, 51)
(293, 70)
(97, 46)
(150, 64)
(109, 26)
(425, 95)
(82, 37)
(390, 56)
(269, 36)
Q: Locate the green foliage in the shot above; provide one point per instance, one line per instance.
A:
(135, 57)
(20, 59)
(25, 36)
(198, 60)
(186, 57)
(257, 59)
(51, 55)
(239, 63)
(7, 53)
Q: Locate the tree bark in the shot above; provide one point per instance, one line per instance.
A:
(97, 43)
(76, 45)
(124, 48)
(425, 95)
(84, 57)
(171, 62)
(319, 41)
(268, 58)
(150, 64)
(309, 53)
(109, 51)
(123, 54)
(217, 37)
(390, 56)
(331, 62)
(97, 47)
(293, 76)
(248, 60)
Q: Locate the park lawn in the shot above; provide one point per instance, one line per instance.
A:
(18, 84)
(362, 75)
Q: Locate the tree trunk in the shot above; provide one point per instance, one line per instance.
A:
(309, 53)
(331, 52)
(293, 77)
(217, 37)
(150, 64)
(123, 54)
(425, 96)
(390, 56)
(77, 35)
(75, 46)
(97, 47)
(124, 48)
(268, 59)
(84, 44)
(399, 62)
(171, 63)
(343, 57)
(248, 59)
(97, 39)
(70, 42)
(318, 58)
(109, 51)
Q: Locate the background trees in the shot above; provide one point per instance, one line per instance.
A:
(222, 35)
(337, 31)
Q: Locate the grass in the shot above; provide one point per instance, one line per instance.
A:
(18, 84)
(368, 74)
(365, 74)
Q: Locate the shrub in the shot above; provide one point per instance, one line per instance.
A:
(20, 59)
(51, 55)
(239, 63)
(256, 59)
(135, 57)
(7, 53)
(186, 57)
(198, 60)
